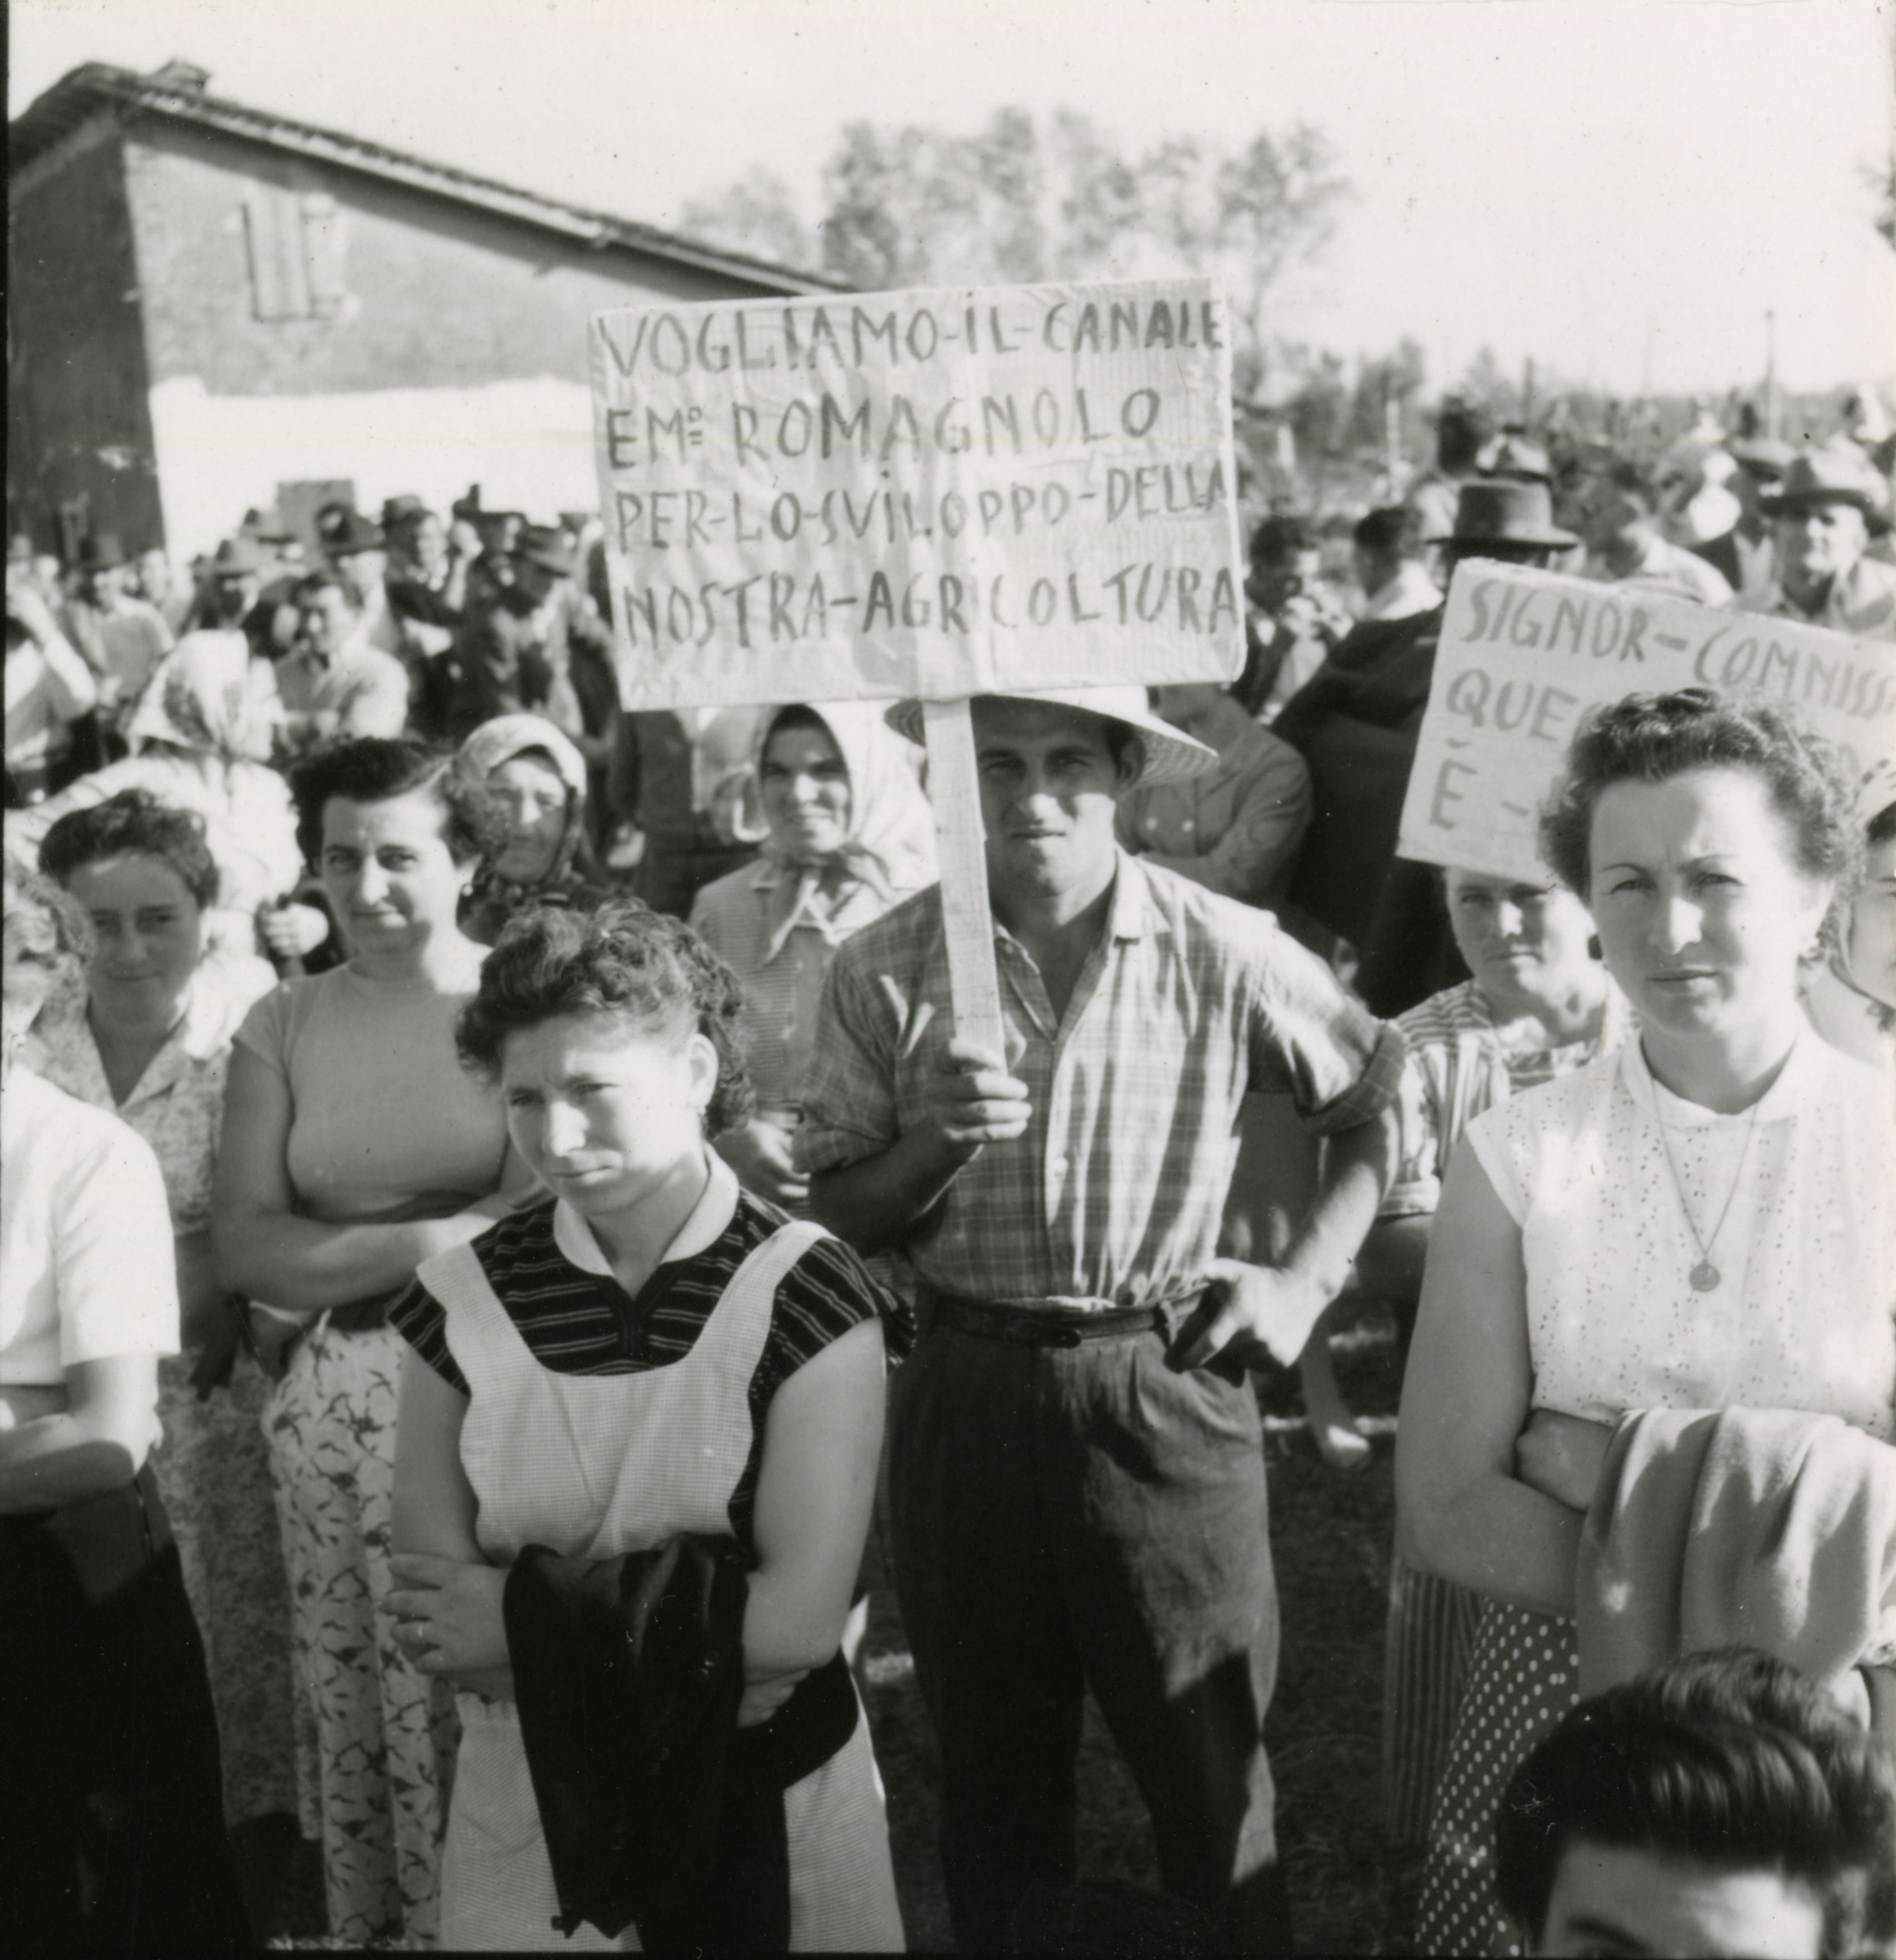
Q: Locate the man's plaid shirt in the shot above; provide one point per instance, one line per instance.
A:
(1116, 1191)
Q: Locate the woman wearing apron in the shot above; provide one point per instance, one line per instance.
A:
(649, 1352)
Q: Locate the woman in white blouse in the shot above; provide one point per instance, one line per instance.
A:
(1702, 1221)
(112, 1828)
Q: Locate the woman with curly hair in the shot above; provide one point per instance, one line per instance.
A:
(353, 1147)
(1705, 1221)
(649, 1353)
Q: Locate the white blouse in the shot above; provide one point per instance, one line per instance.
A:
(86, 1267)
(1803, 1315)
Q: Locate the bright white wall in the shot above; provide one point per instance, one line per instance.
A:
(527, 444)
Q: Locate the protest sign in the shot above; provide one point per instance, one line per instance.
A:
(918, 493)
(1524, 653)
(931, 494)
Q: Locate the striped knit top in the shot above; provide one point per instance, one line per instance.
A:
(578, 1321)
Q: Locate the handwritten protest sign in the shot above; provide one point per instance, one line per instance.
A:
(918, 493)
(937, 494)
(1525, 654)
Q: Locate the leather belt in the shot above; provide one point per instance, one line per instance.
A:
(1046, 1327)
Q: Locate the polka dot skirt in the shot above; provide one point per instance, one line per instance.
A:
(1524, 1675)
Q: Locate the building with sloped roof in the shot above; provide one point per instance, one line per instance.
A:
(209, 306)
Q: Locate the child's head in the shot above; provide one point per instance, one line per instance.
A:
(1721, 1805)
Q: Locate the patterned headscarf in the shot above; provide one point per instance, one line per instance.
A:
(890, 842)
(499, 741)
(201, 698)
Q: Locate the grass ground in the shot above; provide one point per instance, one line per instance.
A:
(1330, 1537)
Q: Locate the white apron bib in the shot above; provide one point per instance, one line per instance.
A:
(596, 1466)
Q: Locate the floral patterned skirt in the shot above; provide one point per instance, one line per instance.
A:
(213, 1473)
(385, 1734)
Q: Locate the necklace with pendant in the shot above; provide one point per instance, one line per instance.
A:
(1705, 1275)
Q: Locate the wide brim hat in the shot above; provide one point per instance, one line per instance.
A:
(405, 509)
(1503, 510)
(548, 549)
(1765, 457)
(345, 532)
(1838, 472)
(102, 552)
(1170, 755)
(237, 557)
(267, 526)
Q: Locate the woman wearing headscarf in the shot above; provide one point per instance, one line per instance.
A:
(850, 835)
(200, 740)
(533, 781)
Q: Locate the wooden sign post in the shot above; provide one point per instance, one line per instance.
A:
(1524, 653)
(926, 494)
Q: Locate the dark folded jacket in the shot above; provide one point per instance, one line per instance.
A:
(657, 1809)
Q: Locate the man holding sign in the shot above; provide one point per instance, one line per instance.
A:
(1077, 1468)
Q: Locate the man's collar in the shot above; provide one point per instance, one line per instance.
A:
(1131, 898)
(713, 1213)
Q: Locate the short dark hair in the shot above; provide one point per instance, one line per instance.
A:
(133, 820)
(1279, 538)
(1124, 742)
(1881, 827)
(34, 893)
(799, 714)
(1394, 528)
(1728, 1758)
(1651, 738)
(377, 769)
(624, 959)
(313, 583)
(1460, 431)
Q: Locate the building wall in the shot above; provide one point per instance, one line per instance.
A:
(79, 425)
(416, 344)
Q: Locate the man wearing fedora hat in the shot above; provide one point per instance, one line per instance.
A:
(1076, 1474)
(1357, 723)
(414, 634)
(499, 662)
(117, 634)
(1829, 503)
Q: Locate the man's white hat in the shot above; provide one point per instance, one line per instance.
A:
(1171, 755)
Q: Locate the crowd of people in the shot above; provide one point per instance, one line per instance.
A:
(481, 1167)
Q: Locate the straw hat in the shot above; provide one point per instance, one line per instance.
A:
(1171, 755)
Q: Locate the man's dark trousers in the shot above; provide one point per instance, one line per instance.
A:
(1074, 1517)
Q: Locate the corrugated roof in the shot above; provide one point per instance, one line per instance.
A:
(176, 93)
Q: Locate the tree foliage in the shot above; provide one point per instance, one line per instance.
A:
(1016, 200)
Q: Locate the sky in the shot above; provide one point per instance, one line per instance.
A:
(1622, 189)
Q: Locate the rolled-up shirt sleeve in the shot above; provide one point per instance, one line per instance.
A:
(1340, 1066)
